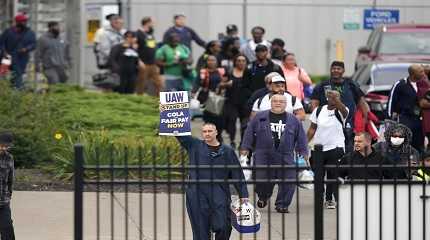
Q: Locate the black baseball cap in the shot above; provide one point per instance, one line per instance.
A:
(6, 137)
(260, 48)
(231, 28)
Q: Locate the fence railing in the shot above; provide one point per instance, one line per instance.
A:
(154, 202)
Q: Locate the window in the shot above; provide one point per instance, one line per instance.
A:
(405, 43)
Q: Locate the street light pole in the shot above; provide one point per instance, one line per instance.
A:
(244, 18)
(74, 39)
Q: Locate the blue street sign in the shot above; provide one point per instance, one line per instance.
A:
(375, 17)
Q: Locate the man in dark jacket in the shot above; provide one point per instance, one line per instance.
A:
(18, 41)
(363, 154)
(6, 182)
(208, 204)
(258, 70)
(274, 136)
(403, 105)
(52, 55)
(186, 34)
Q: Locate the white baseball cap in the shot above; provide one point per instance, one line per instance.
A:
(277, 78)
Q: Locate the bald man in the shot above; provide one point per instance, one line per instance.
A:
(403, 104)
(208, 204)
(273, 136)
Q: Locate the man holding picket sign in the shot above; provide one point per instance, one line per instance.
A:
(208, 203)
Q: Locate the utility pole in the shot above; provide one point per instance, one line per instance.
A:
(374, 4)
(73, 31)
(244, 18)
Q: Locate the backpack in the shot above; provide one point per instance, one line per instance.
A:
(336, 113)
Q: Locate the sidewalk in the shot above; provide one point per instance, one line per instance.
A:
(49, 216)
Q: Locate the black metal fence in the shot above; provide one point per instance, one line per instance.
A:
(147, 201)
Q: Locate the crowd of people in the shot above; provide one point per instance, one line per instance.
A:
(52, 56)
(257, 82)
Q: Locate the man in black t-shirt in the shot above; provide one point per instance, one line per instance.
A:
(149, 72)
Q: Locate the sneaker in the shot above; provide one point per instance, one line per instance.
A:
(330, 204)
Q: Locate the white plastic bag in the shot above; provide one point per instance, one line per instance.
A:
(306, 175)
(244, 163)
(245, 218)
(194, 104)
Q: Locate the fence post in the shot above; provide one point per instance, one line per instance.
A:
(318, 193)
(79, 187)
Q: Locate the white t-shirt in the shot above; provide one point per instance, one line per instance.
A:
(329, 131)
(266, 104)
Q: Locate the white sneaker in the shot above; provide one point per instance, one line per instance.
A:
(330, 204)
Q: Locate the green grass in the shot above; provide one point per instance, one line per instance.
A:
(121, 116)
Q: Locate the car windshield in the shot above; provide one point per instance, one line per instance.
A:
(405, 43)
(388, 75)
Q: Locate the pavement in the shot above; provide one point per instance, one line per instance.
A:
(49, 216)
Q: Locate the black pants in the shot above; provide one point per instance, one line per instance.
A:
(230, 114)
(214, 119)
(330, 157)
(6, 224)
(127, 82)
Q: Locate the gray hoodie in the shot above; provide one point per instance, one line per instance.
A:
(52, 52)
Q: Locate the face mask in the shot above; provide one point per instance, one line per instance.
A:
(55, 32)
(21, 26)
(396, 141)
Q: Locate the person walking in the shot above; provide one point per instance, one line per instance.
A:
(7, 176)
(149, 71)
(277, 86)
(277, 51)
(107, 37)
(211, 79)
(18, 42)
(212, 48)
(273, 136)
(124, 61)
(235, 100)
(173, 57)
(208, 204)
(403, 105)
(350, 95)
(296, 77)
(258, 70)
(249, 48)
(326, 129)
(52, 55)
(232, 31)
(229, 50)
(186, 34)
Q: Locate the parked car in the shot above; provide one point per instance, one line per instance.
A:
(376, 80)
(396, 42)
